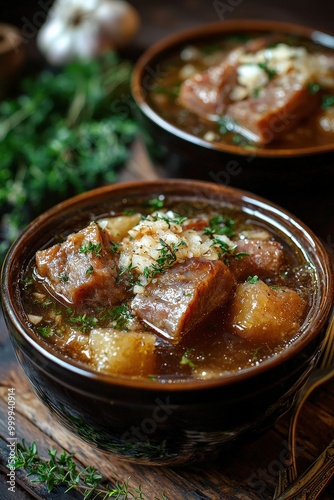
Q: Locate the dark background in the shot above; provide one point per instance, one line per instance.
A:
(161, 18)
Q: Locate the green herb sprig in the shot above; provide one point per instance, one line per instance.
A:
(84, 322)
(61, 470)
(166, 259)
(67, 132)
(185, 360)
(120, 316)
(220, 224)
(94, 248)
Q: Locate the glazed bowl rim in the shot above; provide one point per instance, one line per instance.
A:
(12, 309)
(157, 50)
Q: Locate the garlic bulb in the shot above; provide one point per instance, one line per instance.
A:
(77, 29)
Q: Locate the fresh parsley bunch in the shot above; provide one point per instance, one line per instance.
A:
(65, 133)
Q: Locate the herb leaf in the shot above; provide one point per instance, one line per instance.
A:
(90, 247)
(313, 87)
(120, 316)
(62, 470)
(252, 279)
(64, 134)
(327, 101)
(165, 260)
(185, 359)
(220, 224)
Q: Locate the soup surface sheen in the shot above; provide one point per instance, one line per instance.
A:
(256, 89)
(169, 290)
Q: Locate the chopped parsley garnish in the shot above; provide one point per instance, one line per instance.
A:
(220, 224)
(276, 288)
(226, 249)
(256, 354)
(120, 316)
(156, 203)
(90, 270)
(313, 87)
(90, 247)
(166, 259)
(253, 279)
(84, 322)
(226, 124)
(45, 331)
(185, 359)
(114, 247)
(63, 277)
(48, 302)
(237, 139)
(270, 71)
(128, 271)
(327, 101)
(176, 219)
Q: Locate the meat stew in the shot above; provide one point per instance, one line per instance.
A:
(249, 89)
(169, 291)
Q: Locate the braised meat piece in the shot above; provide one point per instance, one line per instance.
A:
(283, 103)
(264, 259)
(207, 94)
(183, 295)
(83, 269)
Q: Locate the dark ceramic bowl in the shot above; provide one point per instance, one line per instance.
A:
(298, 179)
(144, 420)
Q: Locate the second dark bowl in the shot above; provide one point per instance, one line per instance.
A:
(298, 179)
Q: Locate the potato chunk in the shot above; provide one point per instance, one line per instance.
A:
(118, 227)
(121, 352)
(260, 312)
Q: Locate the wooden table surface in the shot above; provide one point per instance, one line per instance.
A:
(250, 472)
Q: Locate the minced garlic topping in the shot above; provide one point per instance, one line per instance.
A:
(161, 234)
(255, 70)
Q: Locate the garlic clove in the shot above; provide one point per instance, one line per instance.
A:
(74, 29)
(119, 19)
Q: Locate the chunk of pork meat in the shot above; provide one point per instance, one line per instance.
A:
(278, 108)
(264, 259)
(82, 269)
(208, 93)
(183, 295)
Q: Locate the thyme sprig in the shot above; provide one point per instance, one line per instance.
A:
(169, 218)
(93, 248)
(165, 260)
(220, 224)
(61, 470)
(82, 321)
(66, 132)
(120, 316)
